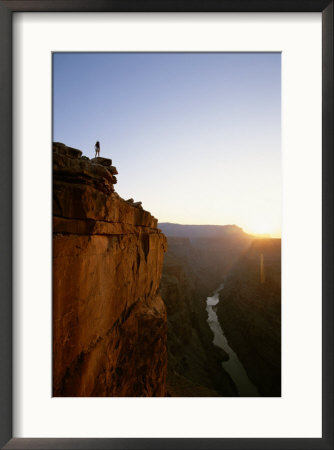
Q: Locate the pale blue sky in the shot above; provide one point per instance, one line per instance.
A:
(195, 136)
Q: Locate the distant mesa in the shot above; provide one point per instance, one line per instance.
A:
(199, 231)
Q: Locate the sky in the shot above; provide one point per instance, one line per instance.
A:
(195, 136)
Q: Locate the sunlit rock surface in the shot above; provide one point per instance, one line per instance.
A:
(109, 321)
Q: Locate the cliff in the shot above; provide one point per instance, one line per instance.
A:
(109, 321)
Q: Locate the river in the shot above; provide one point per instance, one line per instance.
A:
(233, 366)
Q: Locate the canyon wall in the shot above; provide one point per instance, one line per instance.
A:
(250, 313)
(109, 321)
(194, 266)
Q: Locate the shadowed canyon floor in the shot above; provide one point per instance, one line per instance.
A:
(196, 264)
(250, 313)
(233, 366)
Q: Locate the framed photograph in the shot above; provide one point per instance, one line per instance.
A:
(167, 203)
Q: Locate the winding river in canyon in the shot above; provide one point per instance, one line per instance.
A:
(233, 366)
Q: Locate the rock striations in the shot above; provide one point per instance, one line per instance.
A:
(109, 322)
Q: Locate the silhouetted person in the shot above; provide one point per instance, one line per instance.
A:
(97, 149)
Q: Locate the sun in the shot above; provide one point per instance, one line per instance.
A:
(263, 227)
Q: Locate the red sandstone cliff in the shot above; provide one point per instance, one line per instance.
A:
(109, 322)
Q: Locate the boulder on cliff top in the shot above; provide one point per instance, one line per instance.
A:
(102, 161)
(112, 170)
(81, 171)
(60, 148)
(83, 189)
(133, 203)
(138, 204)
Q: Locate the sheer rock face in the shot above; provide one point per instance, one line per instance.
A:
(109, 322)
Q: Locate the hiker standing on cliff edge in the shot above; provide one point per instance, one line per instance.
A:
(97, 149)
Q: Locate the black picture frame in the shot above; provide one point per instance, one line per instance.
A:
(7, 8)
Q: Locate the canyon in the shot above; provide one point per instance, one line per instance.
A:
(249, 311)
(195, 264)
(222, 289)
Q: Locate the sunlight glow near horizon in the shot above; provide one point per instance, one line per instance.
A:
(195, 136)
